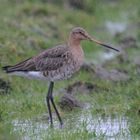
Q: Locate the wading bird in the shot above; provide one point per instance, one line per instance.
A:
(57, 63)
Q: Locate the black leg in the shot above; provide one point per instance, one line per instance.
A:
(52, 101)
(48, 104)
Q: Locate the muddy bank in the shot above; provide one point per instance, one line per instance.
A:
(81, 87)
(69, 102)
(128, 42)
(113, 75)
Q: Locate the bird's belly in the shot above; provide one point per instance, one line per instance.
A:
(30, 74)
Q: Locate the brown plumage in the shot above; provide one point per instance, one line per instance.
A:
(41, 62)
(56, 63)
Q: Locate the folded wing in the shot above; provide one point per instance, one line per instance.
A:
(51, 59)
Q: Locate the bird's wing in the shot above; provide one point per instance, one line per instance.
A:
(50, 59)
(26, 65)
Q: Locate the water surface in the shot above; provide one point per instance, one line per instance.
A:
(109, 127)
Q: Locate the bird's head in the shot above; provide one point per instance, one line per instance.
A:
(78, 34)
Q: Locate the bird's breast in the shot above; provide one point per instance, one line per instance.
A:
(71, 65)
(77, 58)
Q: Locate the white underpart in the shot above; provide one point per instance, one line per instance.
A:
(31, 74)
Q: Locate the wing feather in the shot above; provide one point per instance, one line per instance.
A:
(50, 59)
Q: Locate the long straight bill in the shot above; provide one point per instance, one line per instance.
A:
(100, 43)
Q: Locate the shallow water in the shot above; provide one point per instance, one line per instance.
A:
(110, 127)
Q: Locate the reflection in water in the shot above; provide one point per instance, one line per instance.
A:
(109, 127)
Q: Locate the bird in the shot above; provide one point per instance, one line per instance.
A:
(54, 64)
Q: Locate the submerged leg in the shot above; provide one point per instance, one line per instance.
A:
(52, 101)
(48, 104)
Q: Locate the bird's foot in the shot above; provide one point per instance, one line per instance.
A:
(61, 125)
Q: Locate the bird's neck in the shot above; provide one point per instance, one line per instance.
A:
(73, 42)
(76, 49)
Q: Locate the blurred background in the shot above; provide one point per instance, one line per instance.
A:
(108, 81)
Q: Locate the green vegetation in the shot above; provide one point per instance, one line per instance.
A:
(27, 27)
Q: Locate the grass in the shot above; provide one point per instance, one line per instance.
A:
(29, 27)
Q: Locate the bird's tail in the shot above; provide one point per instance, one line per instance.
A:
(22, 66)
(8, 69)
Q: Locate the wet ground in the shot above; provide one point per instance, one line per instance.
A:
(109, 127)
